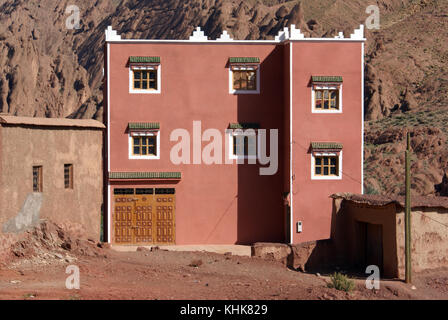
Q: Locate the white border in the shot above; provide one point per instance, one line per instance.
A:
(291, 209)
(314, 110)
(146, 91)
(214, 42)
(330, 154)
(108, 211)
(199, 36)
(108, 146)
(236, 132)
(147, 157)
(232, 91)
(362, 119)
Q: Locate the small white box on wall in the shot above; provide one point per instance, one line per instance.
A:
(299, 226)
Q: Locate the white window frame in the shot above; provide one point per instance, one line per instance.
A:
(145, 157)
(325, 87)
(233, 91)
(246, 132)
(329, 154)
(145, 91)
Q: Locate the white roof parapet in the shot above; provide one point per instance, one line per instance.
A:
(282, 35)
(224, 37)
(111, 34)
(296, 34)
(358, 34)
(198, 35)
(340, 35)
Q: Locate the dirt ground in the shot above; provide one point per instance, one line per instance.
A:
(35, 268)
(191, 275)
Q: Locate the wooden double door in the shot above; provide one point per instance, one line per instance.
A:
(144, 216)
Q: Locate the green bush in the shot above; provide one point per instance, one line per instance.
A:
(371, 190)
(341, 282)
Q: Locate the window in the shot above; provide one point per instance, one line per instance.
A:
(145, 79)
(243, 144)
(244, 80)
(326, 99)
(145, 145)
(326, 160)
(326, 166)
(144, 74)
(326, 94)
(244, 75)
(68, 176)
(37, 179)
(123, 191)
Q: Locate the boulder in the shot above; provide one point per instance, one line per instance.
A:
(271, 251)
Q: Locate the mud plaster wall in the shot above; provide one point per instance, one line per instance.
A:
(77, 209)
(429, 238)
(346, 237)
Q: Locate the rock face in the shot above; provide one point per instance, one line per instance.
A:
(49, 70)
(40, 74)
(384, 154)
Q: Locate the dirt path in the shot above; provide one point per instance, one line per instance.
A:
(191, 275)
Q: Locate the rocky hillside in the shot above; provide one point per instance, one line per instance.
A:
(49, 70)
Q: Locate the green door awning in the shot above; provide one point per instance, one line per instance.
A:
(143, 125)
(324, 79)
(144, 175)
(244, 125)
(244, 60)
(326, 145)
(134, 59)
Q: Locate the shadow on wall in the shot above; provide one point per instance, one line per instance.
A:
(322, 255)
(357, 233)
(260, 197)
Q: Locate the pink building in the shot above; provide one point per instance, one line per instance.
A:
(187, 122)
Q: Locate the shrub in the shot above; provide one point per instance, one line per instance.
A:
(371, 190)
(341, 282)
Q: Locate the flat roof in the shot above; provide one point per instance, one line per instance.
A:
(383, 200)
(50, 122)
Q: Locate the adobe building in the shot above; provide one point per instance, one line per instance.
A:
(50, 169)
(370, 230)
(306, 94)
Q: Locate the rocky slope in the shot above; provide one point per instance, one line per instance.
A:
(49, 70)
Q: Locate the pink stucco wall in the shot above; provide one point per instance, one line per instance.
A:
(215, 204)
(226, 204)
(311, 202)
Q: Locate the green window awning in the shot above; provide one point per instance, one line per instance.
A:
(326, 79)
(244, 60)
(143, 125)
(144, 59)
(326, 145)
(244, 125)
(144, 175)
